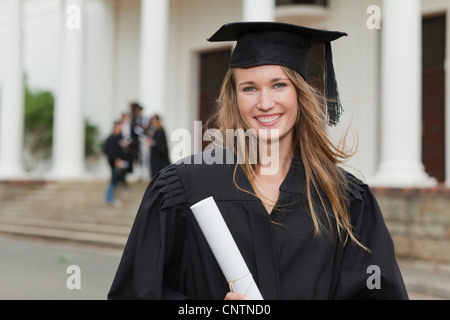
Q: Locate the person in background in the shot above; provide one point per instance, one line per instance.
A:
(139, 128)
(159, 152)
(126, 143)
(113, 148)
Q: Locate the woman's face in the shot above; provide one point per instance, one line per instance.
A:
(267, 99)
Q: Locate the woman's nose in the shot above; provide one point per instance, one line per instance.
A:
(266, 101)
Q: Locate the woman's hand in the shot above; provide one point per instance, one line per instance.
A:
(236, 296)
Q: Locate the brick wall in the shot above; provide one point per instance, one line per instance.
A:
(419, 221)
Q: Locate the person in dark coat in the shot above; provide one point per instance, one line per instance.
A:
(113, 148)
(137, 130)
(159, 151)
(306, 228)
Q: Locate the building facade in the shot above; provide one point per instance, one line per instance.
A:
(97, 56)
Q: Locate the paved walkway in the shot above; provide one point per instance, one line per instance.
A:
(37, 270)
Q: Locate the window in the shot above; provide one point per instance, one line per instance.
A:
(313, 2)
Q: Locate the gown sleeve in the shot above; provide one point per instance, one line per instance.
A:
(140, 274)
(364, 274)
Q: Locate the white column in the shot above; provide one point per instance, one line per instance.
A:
(258, 10)
(12, 107)
(153, 55)
(68, 133)
(401, 128)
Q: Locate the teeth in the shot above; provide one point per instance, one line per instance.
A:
(268, 119)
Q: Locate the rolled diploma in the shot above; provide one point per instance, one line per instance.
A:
(224, 248)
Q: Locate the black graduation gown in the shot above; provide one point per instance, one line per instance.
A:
(167, 256)
(159, 152)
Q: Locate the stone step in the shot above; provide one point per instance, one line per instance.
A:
(105, 217)
(96, 238)
(102, 212)
(78, 195)
(128, 207)
(67, 225)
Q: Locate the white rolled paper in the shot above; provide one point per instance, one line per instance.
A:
(224, 248)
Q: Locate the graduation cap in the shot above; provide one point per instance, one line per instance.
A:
(263, 43)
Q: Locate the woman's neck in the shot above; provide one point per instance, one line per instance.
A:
(272, 171)
(275, 158)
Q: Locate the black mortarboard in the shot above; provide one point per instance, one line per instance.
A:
(261, 43)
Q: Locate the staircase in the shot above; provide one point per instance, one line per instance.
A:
(69, 211)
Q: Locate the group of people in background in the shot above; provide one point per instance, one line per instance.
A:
(126, 147)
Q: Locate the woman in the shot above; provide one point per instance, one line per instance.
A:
(307, 230)
(159, 152)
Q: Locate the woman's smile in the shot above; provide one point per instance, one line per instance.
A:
(268, 120)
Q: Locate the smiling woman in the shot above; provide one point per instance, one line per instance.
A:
(308, 230)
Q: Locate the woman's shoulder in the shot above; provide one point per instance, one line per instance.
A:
(166, 186)
(201, 175)
(355, 186)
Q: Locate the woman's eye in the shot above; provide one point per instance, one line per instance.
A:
(249, 89)
(280, 85)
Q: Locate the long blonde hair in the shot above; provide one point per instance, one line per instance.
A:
(319, 155)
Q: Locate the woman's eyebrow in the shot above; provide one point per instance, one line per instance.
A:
(279, 79)
(246, 83)
(252, 82)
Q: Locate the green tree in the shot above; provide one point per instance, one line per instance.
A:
(38, 135)
(39, 123)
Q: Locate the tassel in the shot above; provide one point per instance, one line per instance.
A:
(333, 103)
